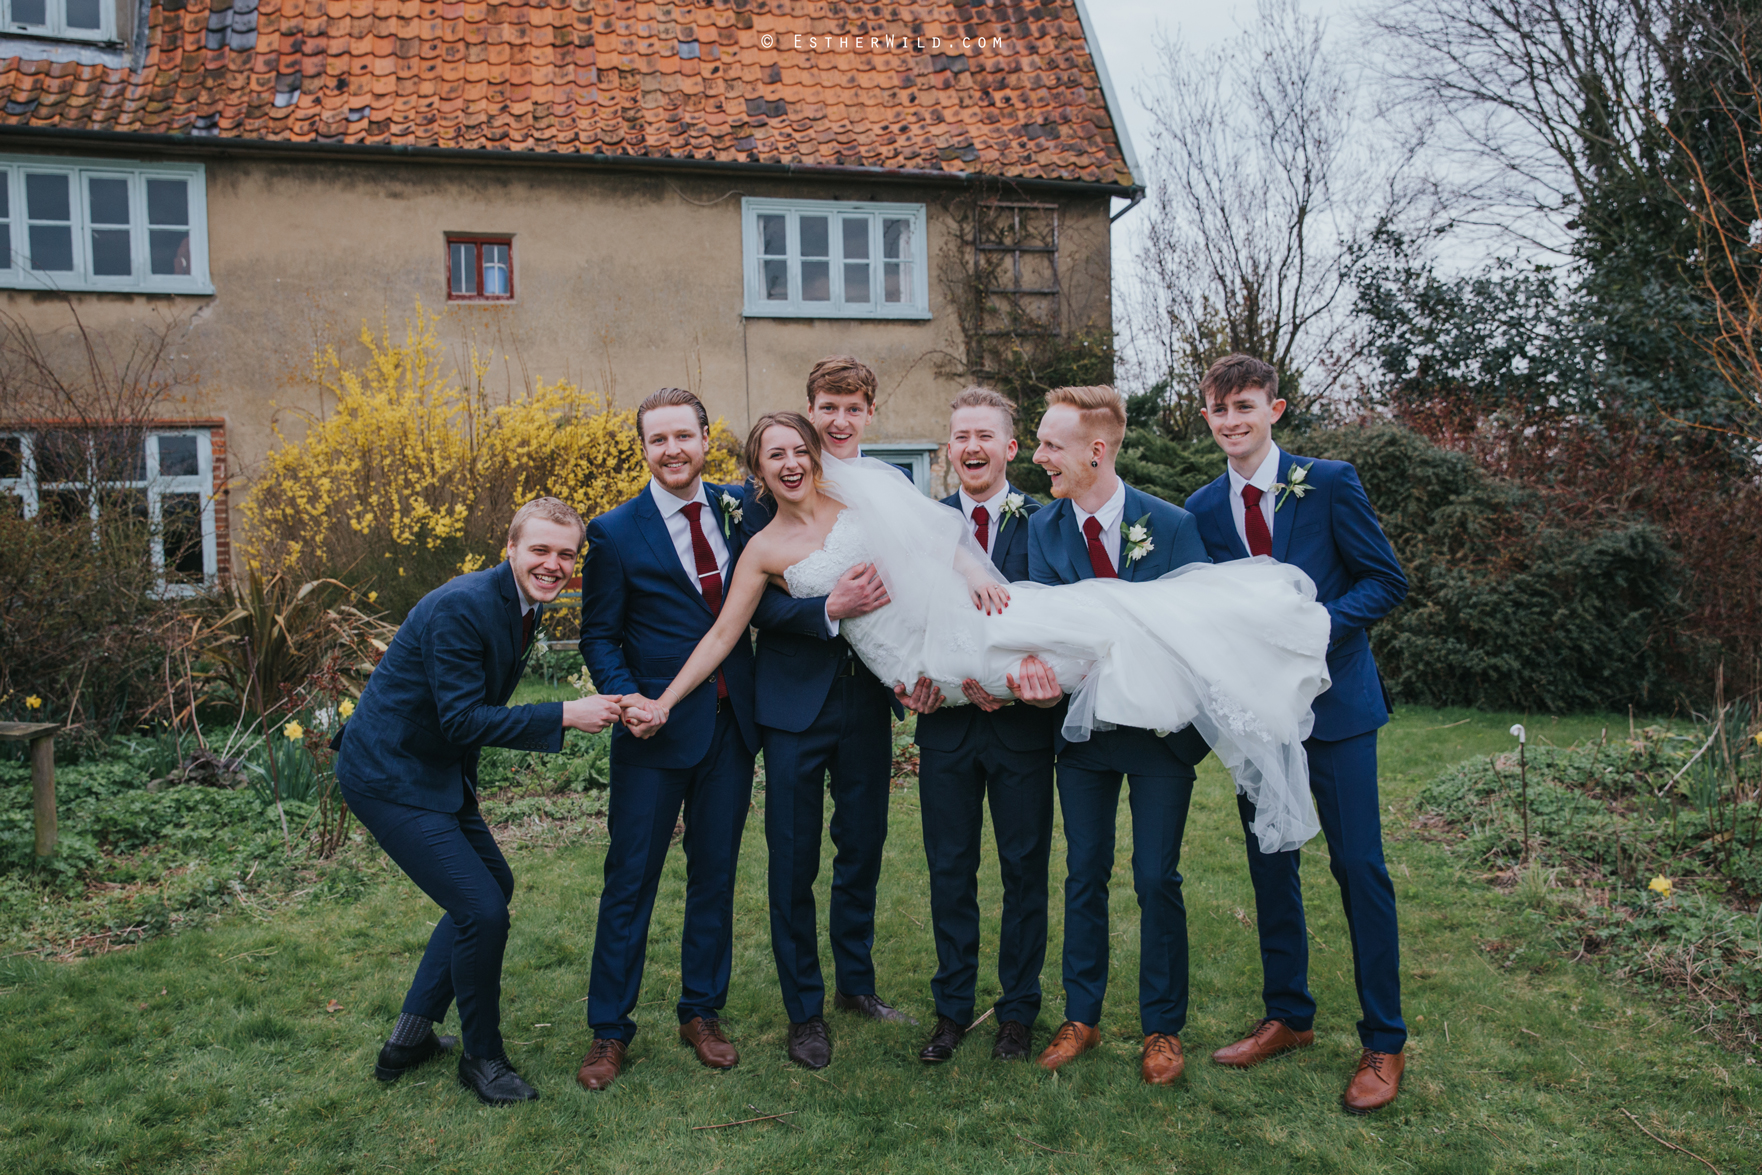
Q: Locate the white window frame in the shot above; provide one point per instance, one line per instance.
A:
(56, 11)
(914, 455)
(758, 306)
(15, 270)
(28, 487)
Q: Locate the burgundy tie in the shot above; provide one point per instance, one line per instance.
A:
(1098, 560)
(526, 628)
(982, 528)
(709, 576)
(1260, 540)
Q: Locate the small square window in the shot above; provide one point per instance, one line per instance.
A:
(480, 269)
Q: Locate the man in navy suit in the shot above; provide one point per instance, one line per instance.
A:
(1101, 527)
(1315, 515)
(822, 714)
(656, 570)
(407, 765)
(995, 747)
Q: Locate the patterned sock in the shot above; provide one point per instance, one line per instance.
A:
(411, 1030)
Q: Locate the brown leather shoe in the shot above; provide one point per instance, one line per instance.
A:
(1268, 1040)
(1071, 1041)
(600, 1067)
(713, 1048)
(1162, 1063)
(1376, 1082)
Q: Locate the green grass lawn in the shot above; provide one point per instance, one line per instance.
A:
(213, 1050)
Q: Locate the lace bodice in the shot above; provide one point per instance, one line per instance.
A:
(818, 574)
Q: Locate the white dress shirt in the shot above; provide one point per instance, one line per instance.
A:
(679, 529)
(993, 506)
(1109, 516)
(1263, 480)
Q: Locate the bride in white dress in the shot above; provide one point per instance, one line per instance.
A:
(1238, 650)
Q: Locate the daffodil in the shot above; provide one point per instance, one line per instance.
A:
(294, 731)
(347, 708)
(1660, 886)
(33, 702)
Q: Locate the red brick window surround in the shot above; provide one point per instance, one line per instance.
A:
(480, 268)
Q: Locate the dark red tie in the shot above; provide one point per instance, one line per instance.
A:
(982, 527)
(709, 576)
(526, 627)
(1098, 559)
(1260, 539)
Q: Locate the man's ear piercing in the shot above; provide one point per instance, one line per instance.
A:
(1095, 465)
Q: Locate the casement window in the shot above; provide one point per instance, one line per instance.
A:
(480, 269)
(74, 20)
(165, 479)
(96, 225)
(911, 459)
(828, 259)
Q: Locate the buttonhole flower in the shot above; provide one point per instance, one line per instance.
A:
(731, 513)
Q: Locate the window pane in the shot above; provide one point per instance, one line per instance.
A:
(120, 455)
(856, 238)
(30, 12)
(776, 280)
(177, 457)
(816, 281)
(110, 252)
(122, 506)
(464, 267)
(168, 202)
(816, 236)
(495, 271)
(180, 530)
(107, 200)
(83, 14)
(45, 197)
(5, 201)
(896, 239)
(773, 236)
(63, 506)
(11, 457)
(52, 248)
(61, 456)
(169, 250)
(856, 281)
(896, 285)
(11, 505)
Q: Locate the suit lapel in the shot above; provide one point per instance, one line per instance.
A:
(1134, 509)
(1224, 519)
(1076, 546)
(1284, 519)
(510, 592)
(730, 533)
(1006, 529)
(654, 530)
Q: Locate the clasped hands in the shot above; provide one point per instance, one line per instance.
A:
(641, 716)
(1037, 686)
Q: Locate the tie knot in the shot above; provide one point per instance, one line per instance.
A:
(1092, 527)
(981, 516)
(1251, 496)
(691, 510)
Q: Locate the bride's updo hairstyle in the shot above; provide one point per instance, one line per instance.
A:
(755, 445)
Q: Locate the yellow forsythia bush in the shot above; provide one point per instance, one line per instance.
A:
(412, 476)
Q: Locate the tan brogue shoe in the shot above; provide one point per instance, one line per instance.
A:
(1162, 1063)
(1376, 1082)
(600, 1067)
(713, 1048)
(1268, 1040)
(1071, 1041)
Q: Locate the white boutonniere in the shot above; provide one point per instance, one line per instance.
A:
(730, 513)
(1014, 506)
(1138, 542)
(1298, 485)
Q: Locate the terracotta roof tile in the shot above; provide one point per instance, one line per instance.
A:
(691, 79)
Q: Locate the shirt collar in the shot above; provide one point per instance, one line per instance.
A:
(992, 504)
(672, 504)
(1111, 510)
(1264, 476)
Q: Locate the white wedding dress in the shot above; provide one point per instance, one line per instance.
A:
(1238, 650)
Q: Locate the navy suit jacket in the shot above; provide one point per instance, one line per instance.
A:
(440, 693)
(1332, 533)
(641, 618)
(797, 658)
(1058, 553)
(1020, 726)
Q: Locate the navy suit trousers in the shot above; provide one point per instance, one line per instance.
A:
(952, 788)
(1089, 778)
(851, 740)
(642, 811)
(1343, 776)
(453, 858)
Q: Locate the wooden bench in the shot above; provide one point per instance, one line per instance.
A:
(41, 736)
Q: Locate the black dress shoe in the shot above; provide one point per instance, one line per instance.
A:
(872, 1006)
(494, 1081)
(943, 1041)
(395, 1060)
(810, 1044)
(1012, 1041)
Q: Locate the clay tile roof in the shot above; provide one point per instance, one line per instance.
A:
(1011, 90)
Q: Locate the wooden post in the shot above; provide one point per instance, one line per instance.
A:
(43, 792)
